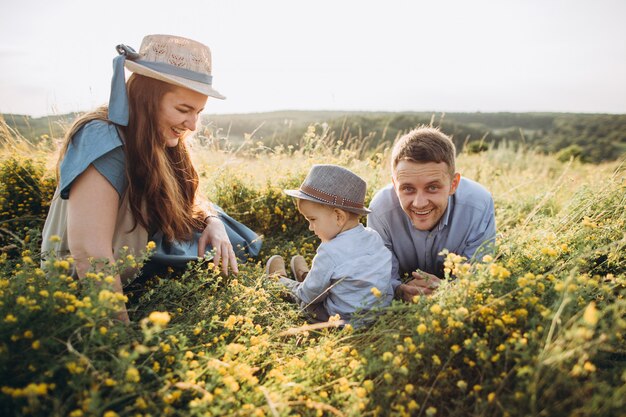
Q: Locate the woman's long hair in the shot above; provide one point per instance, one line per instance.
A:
(162, 182)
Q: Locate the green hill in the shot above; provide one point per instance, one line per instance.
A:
(590, 137)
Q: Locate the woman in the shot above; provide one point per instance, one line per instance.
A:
(125, 174)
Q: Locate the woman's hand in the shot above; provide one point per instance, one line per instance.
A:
(214, 234)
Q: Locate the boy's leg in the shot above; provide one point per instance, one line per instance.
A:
(275, 267)
(316, 313)
(299, 268)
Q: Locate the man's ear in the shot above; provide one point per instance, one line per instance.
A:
(456, 179)
(393, 180)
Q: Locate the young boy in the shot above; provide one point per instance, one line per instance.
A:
(352, 268)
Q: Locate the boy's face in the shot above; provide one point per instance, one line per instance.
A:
(423, 189)
(323, 220)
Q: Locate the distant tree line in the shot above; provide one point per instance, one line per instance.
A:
(588, 137)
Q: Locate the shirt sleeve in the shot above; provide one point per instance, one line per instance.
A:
(376, 223)
(482, 239)
(99, 144)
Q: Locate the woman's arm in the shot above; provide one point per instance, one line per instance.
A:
(91, 216)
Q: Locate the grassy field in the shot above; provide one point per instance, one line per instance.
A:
(538, 330)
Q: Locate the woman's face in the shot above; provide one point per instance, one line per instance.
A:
(178, 113)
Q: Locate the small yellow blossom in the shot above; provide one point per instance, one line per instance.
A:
(376, 292)
(589, 367)
(368, 384)
(590, 315)
(159, 318)
(132, 375)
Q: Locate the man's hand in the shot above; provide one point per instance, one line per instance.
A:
(422, 284)
(407, 292)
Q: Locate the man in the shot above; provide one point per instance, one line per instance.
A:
(428, 208)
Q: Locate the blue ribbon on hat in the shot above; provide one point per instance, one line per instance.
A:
(118, 100)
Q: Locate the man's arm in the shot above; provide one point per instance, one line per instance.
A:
(481, 240)
(376, 223)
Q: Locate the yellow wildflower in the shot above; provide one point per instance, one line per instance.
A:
(132, 375)
(159, 318)
(590, 315)
(376, 292)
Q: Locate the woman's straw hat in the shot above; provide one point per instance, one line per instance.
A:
(333, 186)
(172, 59)
(184, 56)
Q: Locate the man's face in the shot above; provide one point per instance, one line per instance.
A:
(423, 189)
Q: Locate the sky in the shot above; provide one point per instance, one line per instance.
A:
(385, 55)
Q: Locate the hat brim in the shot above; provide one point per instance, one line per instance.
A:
(197, 86)
(299, 194)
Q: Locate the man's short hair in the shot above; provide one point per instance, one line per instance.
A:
(424, 144)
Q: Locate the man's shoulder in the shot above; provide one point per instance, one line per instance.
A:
(470, 193)
(385, 199)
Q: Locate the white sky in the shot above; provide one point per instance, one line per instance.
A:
(389, 55)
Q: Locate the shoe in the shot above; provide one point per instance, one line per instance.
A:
(275, 267)
(299, 268)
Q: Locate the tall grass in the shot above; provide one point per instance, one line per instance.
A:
(537, 330)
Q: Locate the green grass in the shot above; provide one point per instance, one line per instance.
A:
(538, 330)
